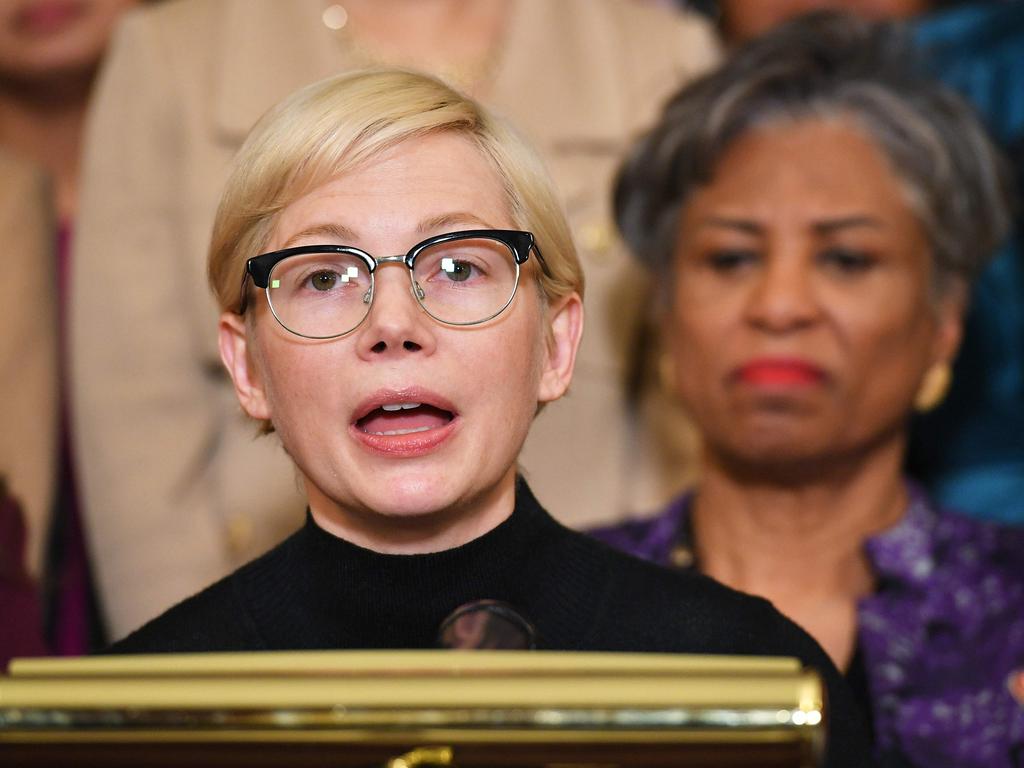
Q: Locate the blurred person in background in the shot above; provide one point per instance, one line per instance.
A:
(167, 447)
(28, 411)
(50, 51)
(19, 593)
(968, 450)
(814, 213)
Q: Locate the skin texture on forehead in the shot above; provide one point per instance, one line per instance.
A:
(832, 270)
(491, 376)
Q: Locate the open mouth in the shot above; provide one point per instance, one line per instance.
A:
(393, 419)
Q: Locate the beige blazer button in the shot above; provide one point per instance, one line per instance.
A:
(335, 17)
(596, 239)
(681, 556)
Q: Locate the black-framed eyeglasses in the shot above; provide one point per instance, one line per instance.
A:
(458, 278)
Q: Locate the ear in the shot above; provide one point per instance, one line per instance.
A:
(950, 309)
(565, 319)
(234, 351)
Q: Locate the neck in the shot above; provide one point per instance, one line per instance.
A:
(456, 39)
(764, 536)
(434, 531)
(798, 541)
(43, 122)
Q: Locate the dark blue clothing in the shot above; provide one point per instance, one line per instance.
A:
(970, 450)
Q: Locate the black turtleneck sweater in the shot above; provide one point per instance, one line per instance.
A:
(316, 591)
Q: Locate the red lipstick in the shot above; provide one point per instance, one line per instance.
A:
(780, 372)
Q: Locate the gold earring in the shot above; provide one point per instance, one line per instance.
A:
(933, 387)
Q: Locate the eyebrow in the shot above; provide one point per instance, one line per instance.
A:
(330, 230)
(723, 222)
(343, 234)
(829, 226)
(449, 219)
(822, 227)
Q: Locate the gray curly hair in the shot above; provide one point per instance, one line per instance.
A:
(827, 65)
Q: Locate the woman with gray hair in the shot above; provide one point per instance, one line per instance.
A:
(813, 213)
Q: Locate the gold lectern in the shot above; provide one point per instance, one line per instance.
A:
(407, 708)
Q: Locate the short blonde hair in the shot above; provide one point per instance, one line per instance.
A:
(329, 127)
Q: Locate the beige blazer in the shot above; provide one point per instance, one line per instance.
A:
(177, 490)
(28, 348)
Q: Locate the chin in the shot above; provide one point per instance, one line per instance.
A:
(410, 495)
(780, 457)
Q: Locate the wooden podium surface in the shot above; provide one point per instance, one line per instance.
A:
(408, 708)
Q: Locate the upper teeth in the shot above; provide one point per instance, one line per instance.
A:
(400, 406)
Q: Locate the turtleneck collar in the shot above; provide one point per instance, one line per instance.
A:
(346, 596)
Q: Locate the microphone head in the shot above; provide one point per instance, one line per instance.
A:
(487, 625)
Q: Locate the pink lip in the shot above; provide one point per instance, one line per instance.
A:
(780, 372)
(404, 446)
(44, 18)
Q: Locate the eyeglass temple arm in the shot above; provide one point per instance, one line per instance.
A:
(244, 300)
(540, 260)
(260, 274)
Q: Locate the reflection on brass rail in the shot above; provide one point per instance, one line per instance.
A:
(422, 756)
(398, 718)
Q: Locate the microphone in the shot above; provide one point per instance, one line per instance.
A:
(487, 625)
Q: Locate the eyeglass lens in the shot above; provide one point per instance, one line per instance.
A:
(460, 282)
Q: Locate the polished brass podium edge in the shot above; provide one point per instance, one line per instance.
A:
(402, 663)
(414, 736)
(540, 692)
(616, 720)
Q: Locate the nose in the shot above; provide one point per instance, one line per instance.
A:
(783, 298)
(396, 325)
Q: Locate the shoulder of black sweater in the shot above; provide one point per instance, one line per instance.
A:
(215, 619)
(640, 607)
(691, 613)
(650, 608)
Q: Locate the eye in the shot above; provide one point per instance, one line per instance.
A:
(478, 263)
(727, 260)
(457, 270)
(847, 260)
(323, 280)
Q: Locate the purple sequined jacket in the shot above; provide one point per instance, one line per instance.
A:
(938, 639)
